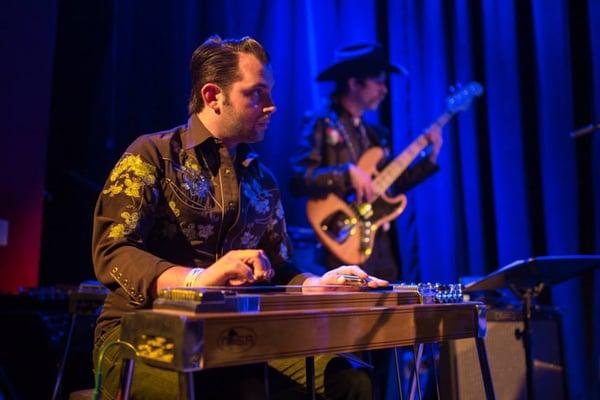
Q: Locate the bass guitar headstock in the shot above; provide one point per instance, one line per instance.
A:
(462, 97)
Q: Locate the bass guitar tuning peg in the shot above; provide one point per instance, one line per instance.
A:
(455, 88)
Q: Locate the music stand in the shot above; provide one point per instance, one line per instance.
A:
(526, 279)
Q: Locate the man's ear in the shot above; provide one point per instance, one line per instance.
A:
(211, 94)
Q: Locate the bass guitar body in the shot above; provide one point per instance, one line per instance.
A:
(347, 228)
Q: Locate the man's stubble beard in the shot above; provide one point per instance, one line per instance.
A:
(236, 128)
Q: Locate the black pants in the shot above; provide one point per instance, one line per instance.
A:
(342, 379)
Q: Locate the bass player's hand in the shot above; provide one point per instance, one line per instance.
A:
(362, 183)
(434, 136)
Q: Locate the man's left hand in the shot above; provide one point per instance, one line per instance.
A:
(337, 277)
(434, 136)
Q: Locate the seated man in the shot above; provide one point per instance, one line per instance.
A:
(193, 206)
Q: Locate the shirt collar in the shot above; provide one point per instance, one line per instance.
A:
(196, 134)
(345, 115)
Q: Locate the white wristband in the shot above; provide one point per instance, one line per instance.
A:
(191, 276)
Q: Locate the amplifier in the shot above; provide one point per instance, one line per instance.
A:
(36, 326)
(459, 368)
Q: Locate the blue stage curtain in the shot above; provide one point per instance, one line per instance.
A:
(594, 296)
(513, 183)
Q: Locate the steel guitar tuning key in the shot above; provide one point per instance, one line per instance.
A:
(440, 293)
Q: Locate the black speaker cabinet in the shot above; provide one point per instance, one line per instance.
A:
(460, 377)
(35, 325)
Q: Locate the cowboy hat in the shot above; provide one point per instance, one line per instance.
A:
(356, 58)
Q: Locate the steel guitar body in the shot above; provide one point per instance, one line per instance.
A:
(295, 325)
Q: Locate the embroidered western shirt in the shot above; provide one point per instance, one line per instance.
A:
(178, 198)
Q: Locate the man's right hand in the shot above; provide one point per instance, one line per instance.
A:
(236, 268)
(362, 183)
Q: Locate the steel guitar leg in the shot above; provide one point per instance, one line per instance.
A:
(310, 378)
(418, 352)
(266, 381)
(485, 369)
(128, 365)
(398, 377)
(186, 386)
(434, 368)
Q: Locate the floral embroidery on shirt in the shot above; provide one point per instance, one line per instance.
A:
(205, 231)
(279, 210)
(249, 240)
(130, 175)
(272, 223)
(117, 231)
(193, 231)
(191, 164)
(283, 251)
(189, 230)
(257, 198)
(193, 180)
(173, 207)
(277, 216)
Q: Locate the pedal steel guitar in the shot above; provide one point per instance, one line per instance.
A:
(193, 329)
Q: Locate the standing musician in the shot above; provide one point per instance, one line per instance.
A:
(193, 206)
(334, 140)
(337, 135)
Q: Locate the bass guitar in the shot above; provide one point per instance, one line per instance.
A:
(347, 228)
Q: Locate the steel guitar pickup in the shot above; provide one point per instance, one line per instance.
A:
(223, 299)
(204, 300)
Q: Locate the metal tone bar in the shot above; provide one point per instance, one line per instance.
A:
(128, 365)
(484, 366)
(310, 378)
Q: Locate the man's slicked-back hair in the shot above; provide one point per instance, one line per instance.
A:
(216, 61)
